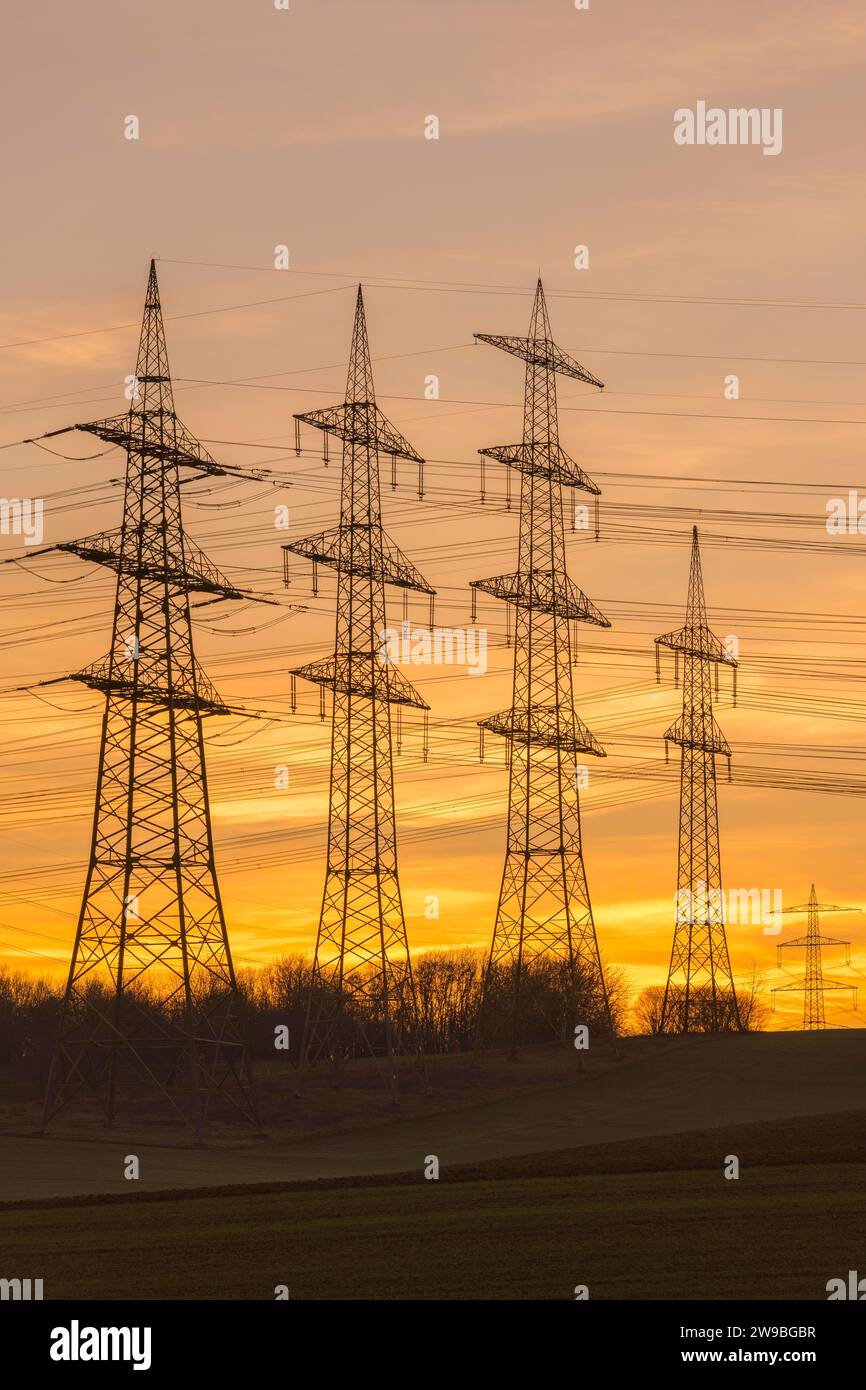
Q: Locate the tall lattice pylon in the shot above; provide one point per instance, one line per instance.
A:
(814, 985)
(362, 996)
(151, 998)
(544, 911)
(699, 994)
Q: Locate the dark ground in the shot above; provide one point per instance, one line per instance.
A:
(611, 1178)
(651, 1219)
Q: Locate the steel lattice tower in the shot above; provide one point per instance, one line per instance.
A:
(362, 974)
(699, 994)
(544, 908)
(814, 985)
(151, 918)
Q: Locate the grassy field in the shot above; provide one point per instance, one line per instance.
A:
(653, 1218)
(491, 1112)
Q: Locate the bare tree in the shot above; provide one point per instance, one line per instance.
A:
(647, 1009)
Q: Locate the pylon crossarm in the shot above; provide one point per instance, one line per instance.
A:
(361, 423)
(799, 986)
(697, 641)
(544, 591)
(691, 731)
(364, 674)
(96, 678)
(157, 434)
(540, 352)
(180, 447)
(546, 459)
(820, 907)
(814, 939)
(391, 567)
(148, 682)
(156, 695)
(197, 574)
(798, 941)
(545, 727)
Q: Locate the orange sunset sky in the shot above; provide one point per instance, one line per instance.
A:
(262, 127)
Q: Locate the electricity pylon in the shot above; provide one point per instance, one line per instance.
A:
(814, 985)
(699, 994)
(362, 985)
(151, 997)
(544, 911)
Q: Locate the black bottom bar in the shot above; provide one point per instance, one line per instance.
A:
(221, 1338)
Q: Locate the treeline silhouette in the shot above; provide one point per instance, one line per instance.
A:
(449, 989)
(707, 1012)
(449, 985)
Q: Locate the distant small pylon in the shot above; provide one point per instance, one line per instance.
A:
(814, 985)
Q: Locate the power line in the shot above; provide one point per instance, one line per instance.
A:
(468, 286)
(195, 314)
